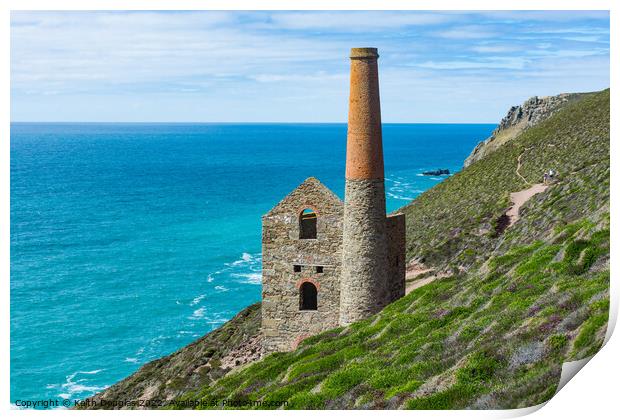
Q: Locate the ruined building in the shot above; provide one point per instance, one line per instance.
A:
(328, 263)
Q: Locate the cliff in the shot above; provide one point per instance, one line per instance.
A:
(518, 119)
(512, 304)
(198, 364)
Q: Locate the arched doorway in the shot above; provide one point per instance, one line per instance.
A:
(308, 297)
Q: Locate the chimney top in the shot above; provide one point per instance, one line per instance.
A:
(364, 53)
(364, 143)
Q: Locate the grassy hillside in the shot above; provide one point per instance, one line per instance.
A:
(519, 303)
(454, 223)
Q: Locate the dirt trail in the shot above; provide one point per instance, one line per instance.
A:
(411, 286)
(519, 198)
(519, 167)
(416, 270)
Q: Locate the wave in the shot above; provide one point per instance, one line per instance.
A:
(248, 267)
(403, 189)
(224, 281)
(197, 299)
(399, 197)
(198, 313)
(217, 321)
(251, 278)
(74, 386)
(245, 258)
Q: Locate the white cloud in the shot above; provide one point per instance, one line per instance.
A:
(275, 66)
(492, 63)
(584, 38)
(354, 21)
(468, 32)
(570, 53)
(547, 16)
(494, 48)
(289, 77)
(143, 48)
(574, 30)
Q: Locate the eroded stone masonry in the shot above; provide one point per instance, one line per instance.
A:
(328, 263)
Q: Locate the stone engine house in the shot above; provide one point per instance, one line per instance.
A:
(326, 262)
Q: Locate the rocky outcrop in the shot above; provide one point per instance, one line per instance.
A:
(246, 352)
(438, 172)
(518, 119)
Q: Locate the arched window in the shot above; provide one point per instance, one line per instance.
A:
(307, 224)
(307, 297)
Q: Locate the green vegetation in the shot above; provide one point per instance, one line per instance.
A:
(519, 303)
(451, 344)
(445, 223)
(495, 333)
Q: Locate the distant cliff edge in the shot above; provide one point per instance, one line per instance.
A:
(518, 119)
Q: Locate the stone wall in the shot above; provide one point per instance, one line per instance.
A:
(364, 253)
(283, 323)
(396, 256)
(374, 258)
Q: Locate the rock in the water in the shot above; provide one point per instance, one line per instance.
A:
(437, 172)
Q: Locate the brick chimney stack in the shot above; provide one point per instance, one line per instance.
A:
(364, 145)
(364, 277)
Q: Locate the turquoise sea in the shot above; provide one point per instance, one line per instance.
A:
(128, 241)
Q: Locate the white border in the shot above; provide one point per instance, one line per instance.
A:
(592, 395)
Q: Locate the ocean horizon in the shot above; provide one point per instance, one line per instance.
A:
(227, 123)
(130, 240)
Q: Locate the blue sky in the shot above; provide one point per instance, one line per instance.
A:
(293, 66)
